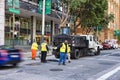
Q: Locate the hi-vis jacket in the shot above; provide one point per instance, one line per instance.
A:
(68, 51)
(63, 48)
(34, 46)
(44, 47)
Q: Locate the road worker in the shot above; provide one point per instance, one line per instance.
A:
(63, 52)
(68, 54)
(34, 49)
(44, 50)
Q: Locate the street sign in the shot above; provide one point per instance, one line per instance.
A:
(9, 3)
(40, 6)
(14, 3)
(47, 6)
(116, 32)
(14, 10)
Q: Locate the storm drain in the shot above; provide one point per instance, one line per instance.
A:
(33, 64)
(56, 69)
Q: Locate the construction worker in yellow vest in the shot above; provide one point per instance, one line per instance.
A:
(68, 54)
(34, 49)
(44, 50)
(63, 52)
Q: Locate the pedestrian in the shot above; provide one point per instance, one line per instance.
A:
(34, 49)
(68, 54)
(63, 52)
(44, 50)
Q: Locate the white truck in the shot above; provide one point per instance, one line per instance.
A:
(81, 45)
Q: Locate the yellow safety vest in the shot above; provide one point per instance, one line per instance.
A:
(34, 46)
(63, 48)
(43, 47)
(68, 49)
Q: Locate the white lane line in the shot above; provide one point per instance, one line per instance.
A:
(107, 75)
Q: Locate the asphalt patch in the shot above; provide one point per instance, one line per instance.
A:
(116, 54)
(33, 64)
(56, 69)
(107, 63)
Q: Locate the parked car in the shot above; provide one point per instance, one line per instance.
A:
(106, 45)
(10, 55)
(113, 43)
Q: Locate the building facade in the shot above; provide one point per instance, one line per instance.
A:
(113, 8)
(28, 24)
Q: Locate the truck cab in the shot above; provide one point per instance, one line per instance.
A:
(93, 44)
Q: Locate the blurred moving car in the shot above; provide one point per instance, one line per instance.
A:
(9, 55)
(106, 45)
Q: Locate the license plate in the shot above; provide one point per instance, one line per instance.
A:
(14, 56)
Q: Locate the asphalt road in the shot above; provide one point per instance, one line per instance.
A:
(105, 66)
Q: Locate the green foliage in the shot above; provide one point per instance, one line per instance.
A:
(91, 12)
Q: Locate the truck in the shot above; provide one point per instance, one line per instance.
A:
(81, 45)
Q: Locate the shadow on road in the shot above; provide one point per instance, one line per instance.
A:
(7, 67)
(52, 60)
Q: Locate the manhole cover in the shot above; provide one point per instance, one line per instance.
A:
(56, 69)
(33, 64)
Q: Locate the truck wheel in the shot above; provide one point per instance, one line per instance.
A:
(77, 54)
(98, 51)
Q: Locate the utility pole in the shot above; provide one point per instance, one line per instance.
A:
(13, 24)
(43, 21)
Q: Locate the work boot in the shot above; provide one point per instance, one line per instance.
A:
(69, 61)
(64, 63)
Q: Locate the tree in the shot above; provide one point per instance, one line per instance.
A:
(91, 13)
(62, 14)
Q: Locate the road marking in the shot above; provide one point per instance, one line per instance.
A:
(107, 75)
